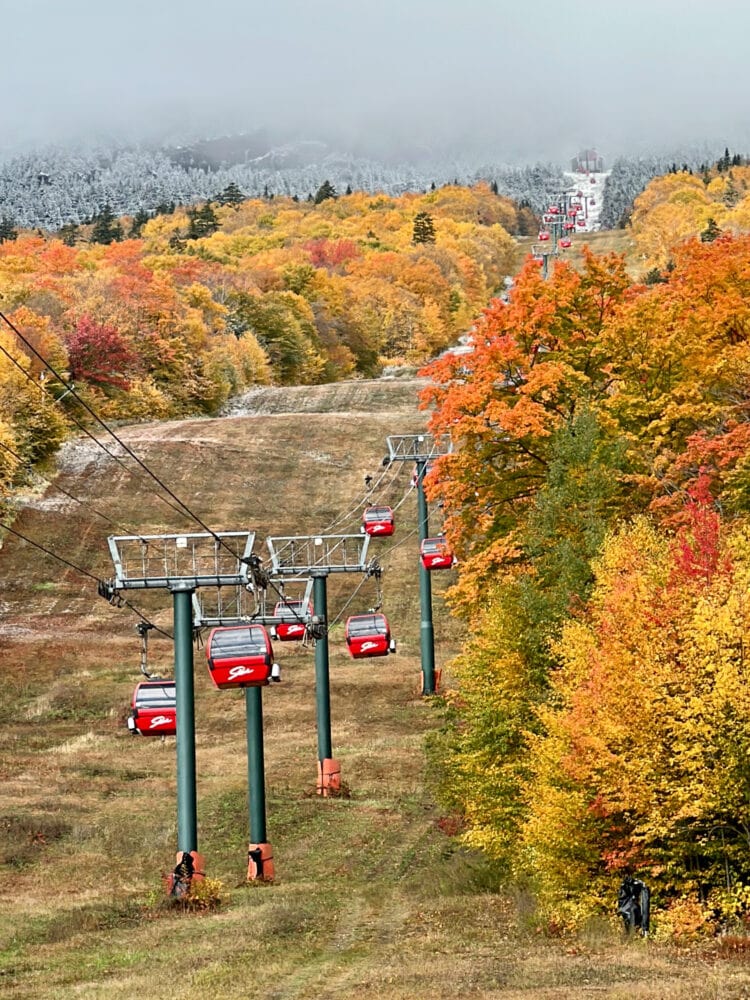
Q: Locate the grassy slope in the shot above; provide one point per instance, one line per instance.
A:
(605, 241)
(372, 899)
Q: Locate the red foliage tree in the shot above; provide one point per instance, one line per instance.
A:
(331, 253)
(100, 354)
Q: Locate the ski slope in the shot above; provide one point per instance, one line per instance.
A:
(592, 187)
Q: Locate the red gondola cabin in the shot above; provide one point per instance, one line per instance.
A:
(378, 521)
(153, 710)
(565, 243)
(543, 235)
(293, 615)
(436, 554)
(240, 656)
(369, 635)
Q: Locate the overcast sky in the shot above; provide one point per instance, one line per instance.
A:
(522, 79)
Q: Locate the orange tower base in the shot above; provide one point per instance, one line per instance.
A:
(329, 777)
(438, 679)
(260, 863)
(197, 875)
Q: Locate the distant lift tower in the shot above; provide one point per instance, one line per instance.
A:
(421, 449)
(317, 556)
(542, 252)
(181, 564)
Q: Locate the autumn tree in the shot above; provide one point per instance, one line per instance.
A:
(534, 363)
(100, 354)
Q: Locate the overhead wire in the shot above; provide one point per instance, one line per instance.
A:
(95, 416)
(82, 427)
(78, 569)
(367, 499)
(182, 508)
(64, 492)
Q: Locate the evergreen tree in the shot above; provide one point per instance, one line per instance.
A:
(731, 194)
(140, 219)
(424, 228)
(654, 277)
(69, 234)
(432, 186)
(231, 195)
(8, 229)
(106, 227)
(711, 232)
(493, 187)
(324, 192)
(203, 222)
(348, 189)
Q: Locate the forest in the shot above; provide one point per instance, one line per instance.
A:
(55, 187)
(597, 498)
(170, 315)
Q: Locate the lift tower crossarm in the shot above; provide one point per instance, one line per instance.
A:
(154, 562)
(417, 447)
(303, 555)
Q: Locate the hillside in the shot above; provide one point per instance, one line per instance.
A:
(372, 897)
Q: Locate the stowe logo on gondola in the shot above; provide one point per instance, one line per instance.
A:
(238, 672)
(368, 645)
(159, 720)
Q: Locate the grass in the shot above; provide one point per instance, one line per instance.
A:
(604, 241)
(372, 899)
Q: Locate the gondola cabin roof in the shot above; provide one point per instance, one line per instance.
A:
(370, 624)
(292, 610)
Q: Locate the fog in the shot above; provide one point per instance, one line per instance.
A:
(512, 80)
